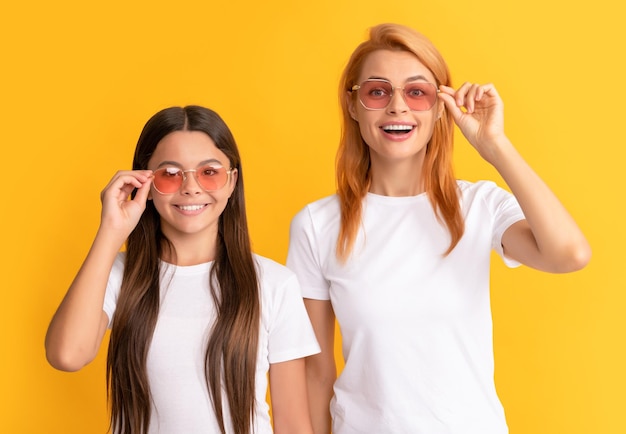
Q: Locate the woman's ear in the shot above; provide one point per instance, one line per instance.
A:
(440, 109)
(350, 105)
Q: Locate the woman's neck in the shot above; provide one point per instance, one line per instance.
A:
(396, 178)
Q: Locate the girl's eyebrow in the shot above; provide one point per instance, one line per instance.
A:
(214, 161)
(211, 161)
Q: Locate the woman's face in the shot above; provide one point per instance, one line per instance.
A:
(191, 210)
(395, 133)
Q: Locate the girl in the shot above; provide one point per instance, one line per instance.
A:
(400, 255)
(196, 319)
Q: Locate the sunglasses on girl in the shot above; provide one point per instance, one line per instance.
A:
(375, 94)
(170, 179)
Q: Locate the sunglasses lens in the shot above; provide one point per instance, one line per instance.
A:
(168, 179)
(375, 94)
(420, 96)
(212, 178)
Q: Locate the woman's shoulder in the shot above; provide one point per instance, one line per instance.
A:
(479, 188)
(319, 213)
(483, 184)
(486, 195)
(324, 205)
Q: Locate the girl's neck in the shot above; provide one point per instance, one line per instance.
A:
(190, 251)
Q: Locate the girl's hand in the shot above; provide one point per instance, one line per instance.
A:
(478, 111)
(119, 211)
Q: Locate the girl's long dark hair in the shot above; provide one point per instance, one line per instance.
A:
(230, 360)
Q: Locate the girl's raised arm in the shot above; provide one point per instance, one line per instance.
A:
(78, 326)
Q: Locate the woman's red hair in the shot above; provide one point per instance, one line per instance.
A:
(353, 158)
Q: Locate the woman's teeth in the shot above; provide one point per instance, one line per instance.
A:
(397, 128)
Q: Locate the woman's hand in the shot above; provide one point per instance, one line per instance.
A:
(548, 239)
(478, 111)
(119, 211)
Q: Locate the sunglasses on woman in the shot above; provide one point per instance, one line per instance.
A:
(376, 94)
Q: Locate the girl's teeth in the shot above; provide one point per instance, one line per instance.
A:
(191, 207)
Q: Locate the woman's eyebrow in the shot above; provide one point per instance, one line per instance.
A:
(417, 77)
(413, 78)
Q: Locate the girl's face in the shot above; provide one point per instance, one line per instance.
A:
(396, 133)
(191, 210)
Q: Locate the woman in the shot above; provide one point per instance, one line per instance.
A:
(197, 319)
(400, 255)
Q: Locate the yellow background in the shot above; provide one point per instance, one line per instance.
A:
(79, 79)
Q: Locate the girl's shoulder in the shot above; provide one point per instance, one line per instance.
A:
(270, 271)
(118, 264)
(276, 281)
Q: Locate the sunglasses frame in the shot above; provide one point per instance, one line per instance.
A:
(195, 174)
(356, 87)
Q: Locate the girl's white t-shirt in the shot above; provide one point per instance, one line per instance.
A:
(416, 325)
(175, 364)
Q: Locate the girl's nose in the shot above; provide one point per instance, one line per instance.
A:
(190, 185)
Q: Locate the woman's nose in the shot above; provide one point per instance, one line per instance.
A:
(397, 104)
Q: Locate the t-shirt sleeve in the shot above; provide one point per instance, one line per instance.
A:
(113, 287)
(291, 335)
(303, 257)
(506, 211)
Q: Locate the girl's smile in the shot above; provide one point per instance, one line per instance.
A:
(188, 208)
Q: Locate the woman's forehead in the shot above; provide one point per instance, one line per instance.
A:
(395, 66)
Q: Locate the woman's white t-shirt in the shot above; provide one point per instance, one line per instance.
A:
(416, 325)
(175, 364)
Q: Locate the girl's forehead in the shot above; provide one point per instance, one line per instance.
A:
(187, 148)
